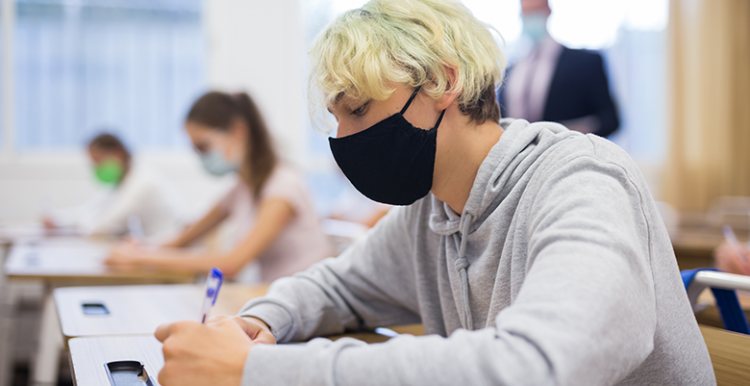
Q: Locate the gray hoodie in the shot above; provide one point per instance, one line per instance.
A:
(558, 272)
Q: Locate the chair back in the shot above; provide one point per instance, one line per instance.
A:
(724, 286)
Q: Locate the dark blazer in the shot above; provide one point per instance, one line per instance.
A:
(579, 88)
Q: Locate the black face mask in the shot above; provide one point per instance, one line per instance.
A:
(390, 162)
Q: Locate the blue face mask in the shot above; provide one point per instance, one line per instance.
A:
(535, 26)
(215, 163)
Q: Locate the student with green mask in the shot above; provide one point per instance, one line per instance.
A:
(110, 157)
(109, 172)
(127, 192)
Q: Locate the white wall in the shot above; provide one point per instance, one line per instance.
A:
(256, 46)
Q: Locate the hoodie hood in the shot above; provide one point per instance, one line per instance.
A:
(513, 155)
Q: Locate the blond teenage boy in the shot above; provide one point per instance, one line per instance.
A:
(532, 255)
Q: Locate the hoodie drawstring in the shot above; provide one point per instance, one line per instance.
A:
(461, 266)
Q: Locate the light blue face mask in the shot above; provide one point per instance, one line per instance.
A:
(215, 163)
(535, 26)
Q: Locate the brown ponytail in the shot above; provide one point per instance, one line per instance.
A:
(217, 110)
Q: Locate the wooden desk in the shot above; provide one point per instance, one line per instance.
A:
(66, 260)
(730, 355)
(140, 309)
(372, 337)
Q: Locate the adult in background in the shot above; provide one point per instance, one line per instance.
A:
(557, 84)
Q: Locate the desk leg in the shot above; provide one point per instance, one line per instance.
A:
(6, 354)
(7, 316)
(50, 344)
(7, 306)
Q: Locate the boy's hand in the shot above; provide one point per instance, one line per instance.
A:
(207, 354)
(256, 329)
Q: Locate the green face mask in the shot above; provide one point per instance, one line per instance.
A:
(108, 172)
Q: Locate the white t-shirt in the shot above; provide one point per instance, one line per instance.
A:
(300, 244)
(142, 193)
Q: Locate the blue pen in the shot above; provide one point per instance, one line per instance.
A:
(213, 284)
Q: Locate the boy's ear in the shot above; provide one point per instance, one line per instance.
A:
(448, 98)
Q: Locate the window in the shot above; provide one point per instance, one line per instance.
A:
(129, 66)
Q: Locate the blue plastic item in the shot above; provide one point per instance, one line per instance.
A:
(730, 310)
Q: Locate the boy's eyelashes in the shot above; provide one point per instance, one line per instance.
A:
(342, 107)
(360, 110)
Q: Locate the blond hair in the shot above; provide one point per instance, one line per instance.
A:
(365, 51)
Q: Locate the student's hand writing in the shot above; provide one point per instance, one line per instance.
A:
(124, 255)
(728, 260)
(204, 354)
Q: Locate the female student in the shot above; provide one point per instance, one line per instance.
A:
(269, 209)
(131, 193)
(532, 255)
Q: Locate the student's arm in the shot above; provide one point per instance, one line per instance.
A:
(209, 221)
(585, 313)
(128, 199)
(371, 284)
(273, 216)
